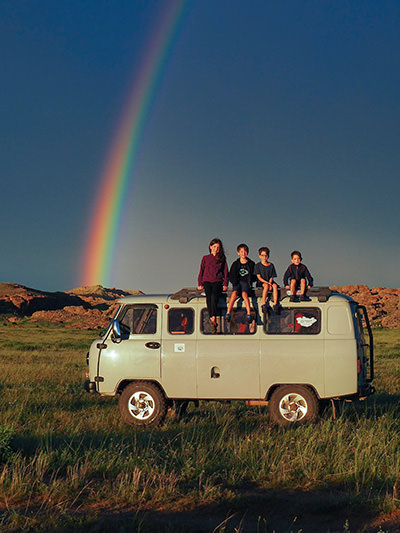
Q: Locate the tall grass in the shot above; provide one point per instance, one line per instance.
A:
(67, 461)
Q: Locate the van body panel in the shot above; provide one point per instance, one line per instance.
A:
(178, 366)
(340, 367)
(129, 359)
(292, 359)
(228, 367)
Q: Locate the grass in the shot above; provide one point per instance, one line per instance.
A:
(68, 463)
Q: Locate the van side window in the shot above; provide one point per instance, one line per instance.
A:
(238, 324)
(296, 320)
(139, 320)
(180, 321)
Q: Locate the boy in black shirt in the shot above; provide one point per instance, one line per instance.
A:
(297, 273)
(241, 276)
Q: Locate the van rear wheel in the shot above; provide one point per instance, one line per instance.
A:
(142, 404)
(293, 405)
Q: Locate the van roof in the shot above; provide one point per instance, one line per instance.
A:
(185, 295)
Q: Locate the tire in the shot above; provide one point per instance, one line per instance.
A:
(293, 405)
(142, 404)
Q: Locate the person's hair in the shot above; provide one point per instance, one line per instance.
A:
(296, 252)
(263, 249)
(220, 257)
(242, 246)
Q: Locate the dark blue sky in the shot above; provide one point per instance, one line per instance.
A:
(275, 123)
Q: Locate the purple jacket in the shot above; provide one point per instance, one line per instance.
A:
(212, 271)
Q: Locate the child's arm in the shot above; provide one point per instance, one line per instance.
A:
(286, 277)
(263, 281)
(309, 277)
(225, 283)
(200, 285)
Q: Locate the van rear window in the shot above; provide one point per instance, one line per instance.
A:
(296, 320)
(238, 325)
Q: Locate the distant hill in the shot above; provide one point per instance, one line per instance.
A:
(85, 307)
(92, 306)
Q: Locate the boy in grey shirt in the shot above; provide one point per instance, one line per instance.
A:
(265, 273)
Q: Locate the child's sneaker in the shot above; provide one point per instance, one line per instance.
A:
(292, 298)
(228, 317)
(249, 318)
(303, 298)
(264, 308)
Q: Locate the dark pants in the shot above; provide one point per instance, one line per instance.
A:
(213, 292)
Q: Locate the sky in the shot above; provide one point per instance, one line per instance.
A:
(272, 123)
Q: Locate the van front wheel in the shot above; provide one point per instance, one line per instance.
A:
(293, 404)
(142, 404)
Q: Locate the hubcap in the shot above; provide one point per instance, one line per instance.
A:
(293, 407)
(141, 405)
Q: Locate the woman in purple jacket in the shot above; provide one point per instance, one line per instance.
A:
(213, 278)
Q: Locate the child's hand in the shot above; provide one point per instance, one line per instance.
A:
(287, 287)
(200, 287)
(225, 288)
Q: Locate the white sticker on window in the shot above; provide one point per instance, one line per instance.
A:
(179, 347)
(305, 321)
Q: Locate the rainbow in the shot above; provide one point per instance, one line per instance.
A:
(118, 172)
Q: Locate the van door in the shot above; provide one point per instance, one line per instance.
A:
(228, 362)
(136, 353)
(178, 353)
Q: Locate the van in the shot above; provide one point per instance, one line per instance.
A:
(160, 349)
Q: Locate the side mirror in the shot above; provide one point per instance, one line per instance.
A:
(116, 329)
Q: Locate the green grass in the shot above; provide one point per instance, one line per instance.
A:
(68, 463)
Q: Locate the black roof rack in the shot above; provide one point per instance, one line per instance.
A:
(188, 293)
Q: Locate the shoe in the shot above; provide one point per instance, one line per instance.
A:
(213, 326)
(292, 298)
(249, 318)
(264, 308)
(277, 309)
(303, 298)
(228, 317)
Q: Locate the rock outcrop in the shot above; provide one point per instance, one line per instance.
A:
(83, 307)
(383, 305)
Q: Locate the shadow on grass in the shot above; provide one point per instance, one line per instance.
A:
(250, 509)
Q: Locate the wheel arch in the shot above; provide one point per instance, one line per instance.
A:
(125, 382)
(275, 386)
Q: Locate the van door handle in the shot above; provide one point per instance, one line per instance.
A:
(153, 345)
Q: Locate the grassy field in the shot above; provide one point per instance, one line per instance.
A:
(68, 463)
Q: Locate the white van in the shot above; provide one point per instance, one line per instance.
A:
(160, 348)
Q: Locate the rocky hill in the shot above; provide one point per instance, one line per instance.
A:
(83, 307)
(92, 307)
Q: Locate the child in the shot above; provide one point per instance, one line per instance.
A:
(265, 272)
(213, 278)
(297, 273)
(241, 276)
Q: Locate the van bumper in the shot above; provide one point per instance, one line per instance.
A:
(90, 386)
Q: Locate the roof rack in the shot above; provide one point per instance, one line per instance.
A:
(322, 293)
(188, 293)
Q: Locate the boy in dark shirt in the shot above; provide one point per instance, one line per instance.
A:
(297, 273)
(265, 273)
(241, 276)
